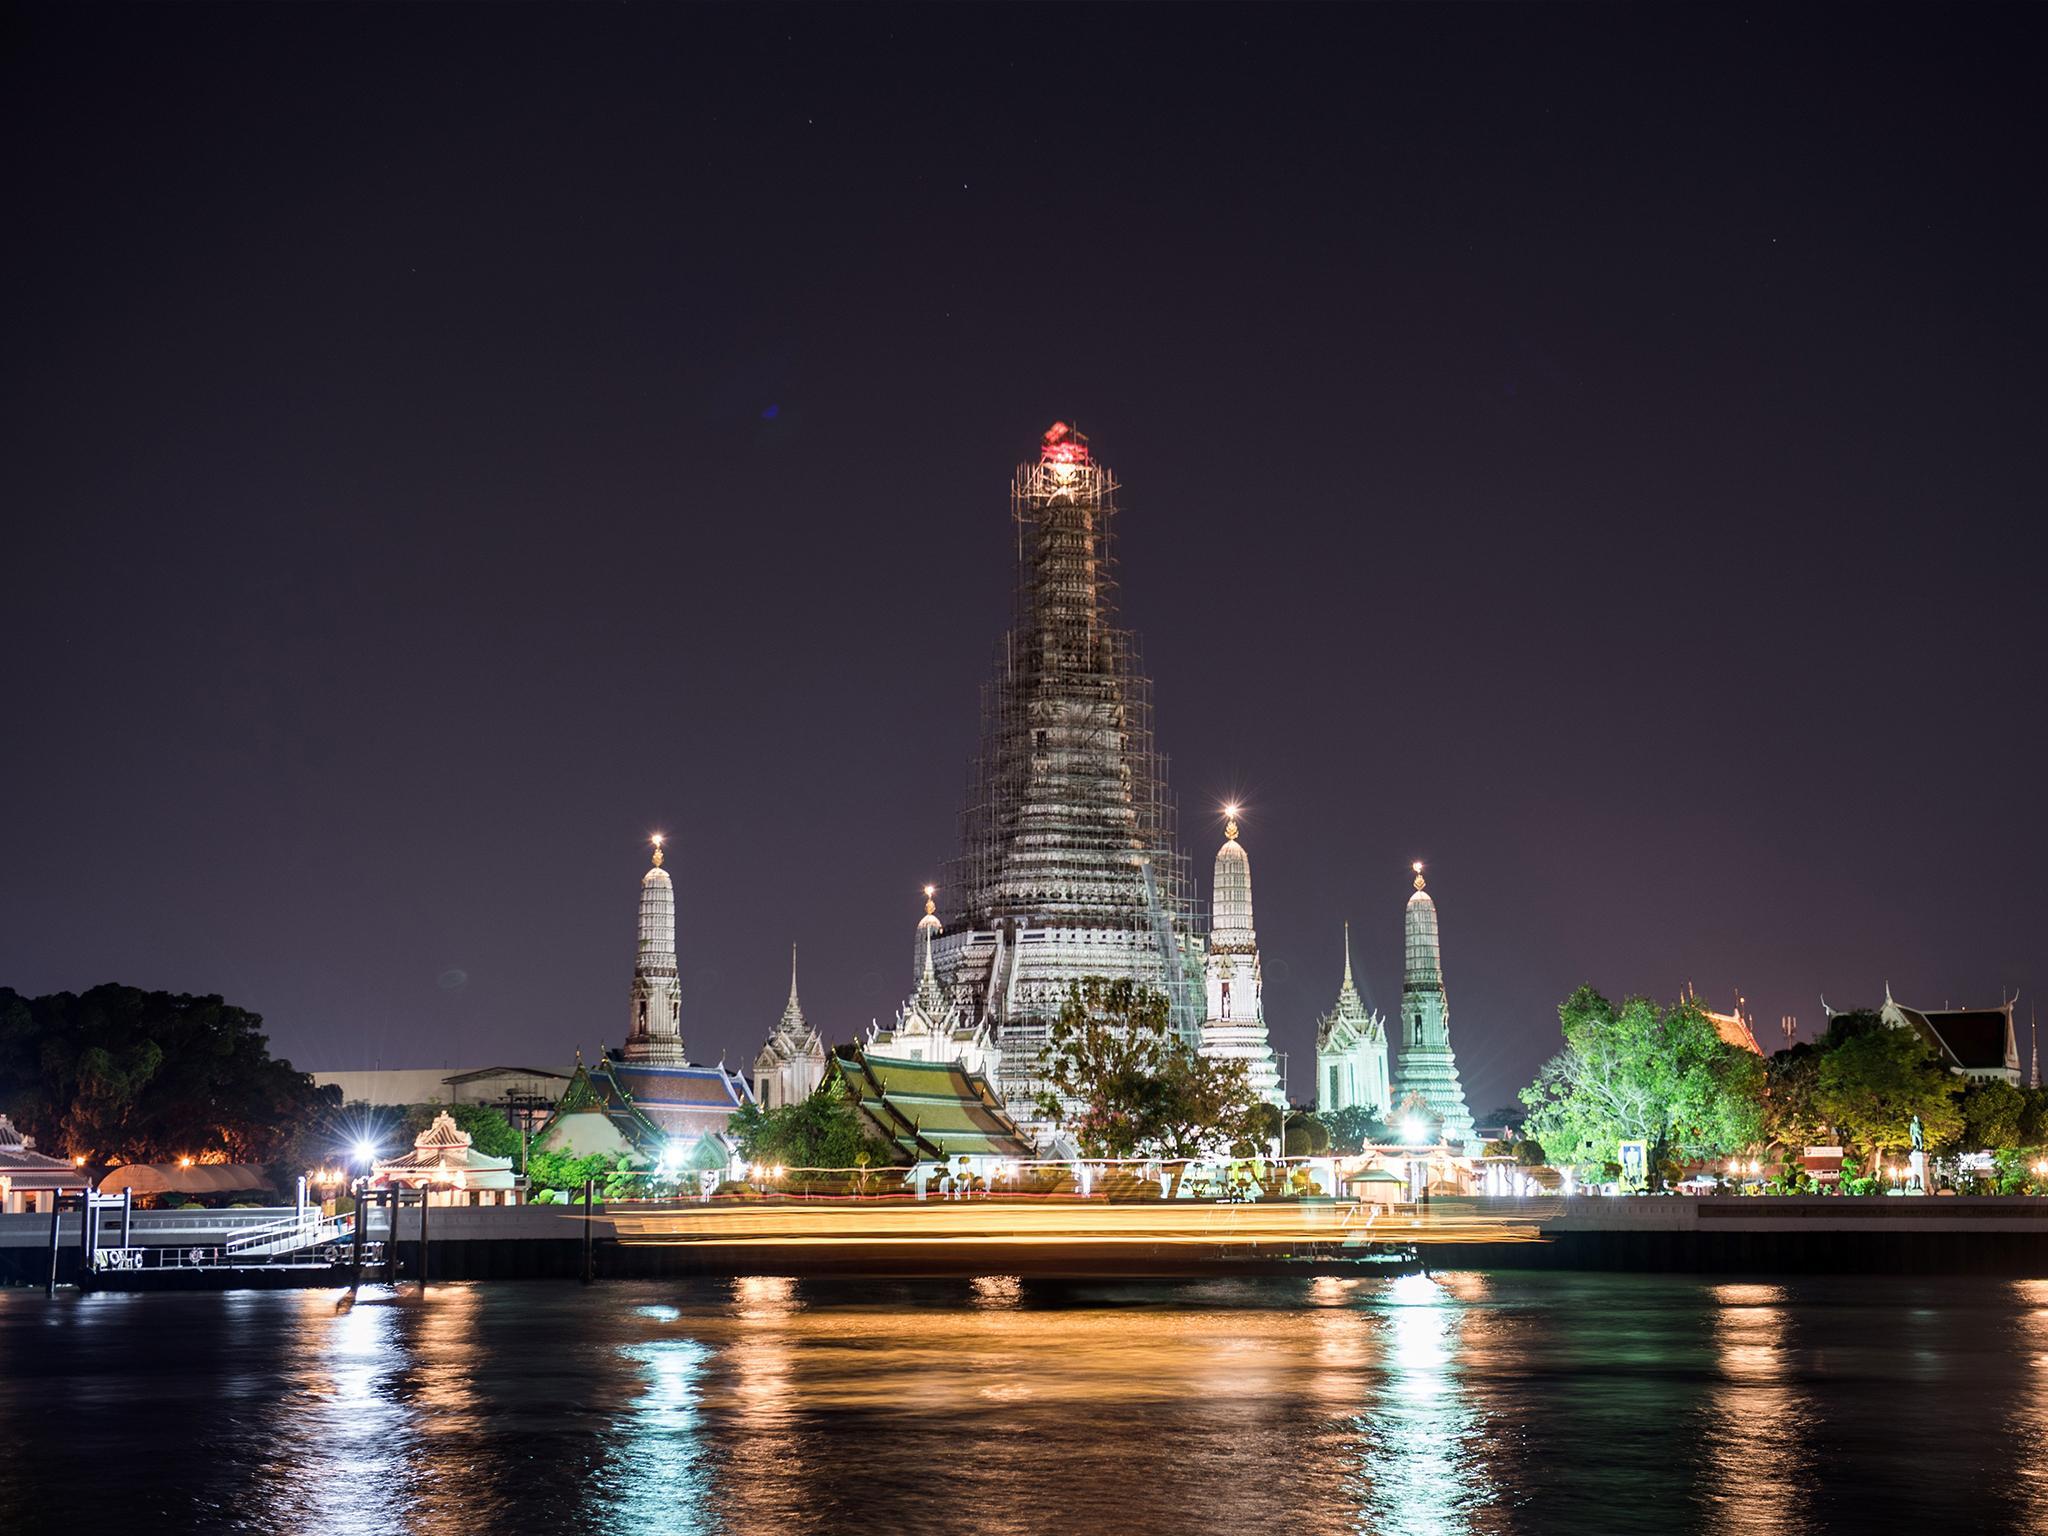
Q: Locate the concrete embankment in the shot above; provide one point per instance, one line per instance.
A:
(1773, 1235)
(1166, 1239)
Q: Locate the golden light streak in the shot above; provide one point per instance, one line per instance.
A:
(1330, 1226)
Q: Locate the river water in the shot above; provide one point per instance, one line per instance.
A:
(1455, 1403)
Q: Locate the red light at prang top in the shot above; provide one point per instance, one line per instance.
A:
(1063, 445)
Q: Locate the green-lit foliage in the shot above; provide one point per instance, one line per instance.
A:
(822, 1131)
(1642, 1072)
(1874, 1082)
(1994, 1117)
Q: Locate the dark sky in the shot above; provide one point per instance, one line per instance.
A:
(1595, 451)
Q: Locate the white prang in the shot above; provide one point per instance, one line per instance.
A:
(655, 1036)
(931, 1026)
(1235, 1029)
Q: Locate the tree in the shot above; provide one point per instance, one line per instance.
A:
(1125, 1086)
(1994, 1116)
(822, 1131)
(1873, 1083)
(1305, 1136)
(1509, 1117)
(2034, 1124)
(1354, 1127)
(119, 1075)
(1639, 1072)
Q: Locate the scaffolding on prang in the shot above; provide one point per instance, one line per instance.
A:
(1068, 817)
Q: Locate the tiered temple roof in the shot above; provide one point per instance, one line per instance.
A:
(444, 1155)
(1974, 1042)
(929, 1111)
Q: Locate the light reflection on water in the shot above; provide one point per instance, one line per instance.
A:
(1459, 1405)
(2027, 1422)
(1422, 1467)
(659, 1478)
(1754, 1432)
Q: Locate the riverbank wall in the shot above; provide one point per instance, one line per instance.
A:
(1710, 1235)
(1727, 1234)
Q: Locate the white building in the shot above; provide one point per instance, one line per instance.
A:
(445, 1164)
(931, 1026)
(1235, 1026)
(792, 1064)
(1351, 1051)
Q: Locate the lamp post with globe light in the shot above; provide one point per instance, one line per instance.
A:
(1414, 1141)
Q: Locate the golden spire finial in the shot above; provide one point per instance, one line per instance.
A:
(1419, 882)
(658, 841)
(931, 907)
(1230, 822)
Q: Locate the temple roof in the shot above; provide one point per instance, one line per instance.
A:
(597, 1091)
(1350, 1012)
(25, 1168)
(443, 1133)
(695, 1087)
(1968, 1039)
(930, 1111)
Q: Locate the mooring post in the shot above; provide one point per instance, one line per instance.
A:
(56, 1211)
(391, 1208)
(589, 1239)
(424, 1249)
(127, 1215)
(356, 1264)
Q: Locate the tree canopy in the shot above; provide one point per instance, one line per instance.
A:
(822, 1131)
(1875, 1081)
(1123, 1085)
(121, 1075)
(1354, 1127)
(1661, 1075)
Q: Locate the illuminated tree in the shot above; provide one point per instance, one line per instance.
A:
(1124, 1085)
(1873, 1083)
(1994, 1116)
(1643, 1073)
(822, 1131)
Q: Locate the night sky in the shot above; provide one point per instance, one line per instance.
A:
(1595, 451)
